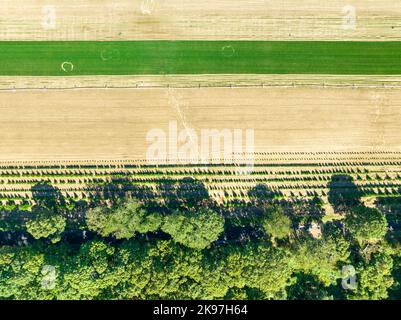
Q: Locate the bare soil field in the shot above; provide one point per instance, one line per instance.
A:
(112, 124)
(200, 20)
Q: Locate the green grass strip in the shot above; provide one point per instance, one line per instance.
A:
(199, 57)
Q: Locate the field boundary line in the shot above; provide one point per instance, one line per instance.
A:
(14, 83)
(200, 86)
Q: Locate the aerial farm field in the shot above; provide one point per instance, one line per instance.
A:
(199, 20)
(198, 57)
(236, 150)
(112, 124)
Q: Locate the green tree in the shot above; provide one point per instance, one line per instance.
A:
(90, 273)
(278, 261)
(307, 287)
(97, 219)
(20, 273)
(320, 257)
(229, 267)
(195, 229)
(276, 223)
(124, 221)
(366, 224)
(45, 223)
(374, 278)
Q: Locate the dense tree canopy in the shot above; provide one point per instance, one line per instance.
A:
(308, 287)
(366, 224)
(43, 223)
(374, 278)
(276, 223)
(124, 221)
(194, 228)
(189, 247)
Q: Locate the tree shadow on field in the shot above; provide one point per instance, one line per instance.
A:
(303, 211)
(48, 196)
(391, 207)
(186, 193)
(343, 193)
(243, 221)
(261, 193)
(117, 190)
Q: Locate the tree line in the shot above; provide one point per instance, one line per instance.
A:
(183, 245)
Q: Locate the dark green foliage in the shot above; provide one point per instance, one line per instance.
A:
(44, 223)
(321, 257)
(366, 224)
(276, 224)
(194, 228)
(122, 222)
(374, 278)
(307, 287)
(180, 247)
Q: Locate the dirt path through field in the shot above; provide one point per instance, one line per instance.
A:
(196, 81)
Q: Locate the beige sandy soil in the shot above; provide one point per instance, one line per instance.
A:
(95, 124)
(210, 19)
(196, 81)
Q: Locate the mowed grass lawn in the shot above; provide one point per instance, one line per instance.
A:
(199, 57)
